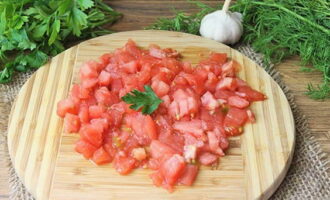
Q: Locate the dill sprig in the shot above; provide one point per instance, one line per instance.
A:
(278, 29)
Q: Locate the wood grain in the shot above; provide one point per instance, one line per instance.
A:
(44, 158)
(140, 13)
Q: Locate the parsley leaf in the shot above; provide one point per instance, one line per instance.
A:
(147, 100)
(32, 31)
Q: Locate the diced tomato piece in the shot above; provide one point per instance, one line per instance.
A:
(101, 122)
(75, 93)
(153, 164)
(172, 168)
(104, 78)
(160, 88)
(224, 94)
(116, 85)
(211, 82)
(123, 164)
(235, 117)
(92, 134)
(174, 110)
(71, 123)
(132, 49)
(116, 116)
(186, 66)
(227, 83)
(105, 97)
(230, 68)
(105, 58)
(214, 143)
(88, 83)
(189, 175)
(101, 157)
(96, 111)
(251, 94)
(193, 127)
(207, 158)
(145, 74)
(157, 178)
(139, 154)
(66, 106)
(85, 148)
(158, 149)
(149, 127)
(130, 67)
(212, 119)
(191, 140)
(166, 101)
(240, 82)
(209, 102)
(238, 102)
(189, 153)
(84, 93)
(88, 71)
(110, 149)
(156, 52)
(83, 114)
(220, 58)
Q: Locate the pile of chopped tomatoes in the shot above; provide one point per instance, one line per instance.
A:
(202, 106)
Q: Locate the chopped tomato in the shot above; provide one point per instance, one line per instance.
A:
(235, 117)
(123, 164)
(71, 123)
(66, 106)
(83, 114)
(238, 102)
(189, 175)
(158, 149)
(193, 127)
(208, 158)
(172, 169)
(209, 102)
(139, 154)
(104, 78)
(251, 94)
(160, 88)
(227, 83)
(85, 148)
(202, 107)
(96, 111)
(92, 134)
(101, 157)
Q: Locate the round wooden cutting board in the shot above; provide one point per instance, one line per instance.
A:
(44, 157)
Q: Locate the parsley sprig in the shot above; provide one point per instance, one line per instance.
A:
(33, 30)
(146, 100)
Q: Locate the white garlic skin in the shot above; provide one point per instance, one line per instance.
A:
(222, 26)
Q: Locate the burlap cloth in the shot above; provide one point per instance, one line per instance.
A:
(308, 176)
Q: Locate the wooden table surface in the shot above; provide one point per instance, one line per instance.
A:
(140, 13)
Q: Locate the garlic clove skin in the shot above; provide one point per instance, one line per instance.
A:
(222, 26)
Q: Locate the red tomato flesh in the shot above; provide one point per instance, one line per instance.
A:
(202, 107)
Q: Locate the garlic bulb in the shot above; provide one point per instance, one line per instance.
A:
(222, 26)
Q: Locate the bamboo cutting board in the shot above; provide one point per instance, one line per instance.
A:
(44, 158)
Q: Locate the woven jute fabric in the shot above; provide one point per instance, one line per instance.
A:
(307, 178)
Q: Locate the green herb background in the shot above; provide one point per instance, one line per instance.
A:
(278, 29)
(33, 30)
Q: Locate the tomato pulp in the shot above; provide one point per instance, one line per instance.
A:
(202, 106)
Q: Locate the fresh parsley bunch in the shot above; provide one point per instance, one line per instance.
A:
(33, 30)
